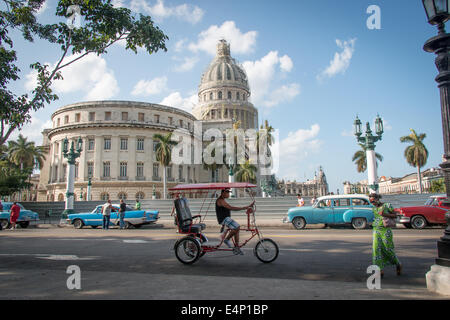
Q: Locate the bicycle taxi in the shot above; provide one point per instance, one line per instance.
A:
(195, 244)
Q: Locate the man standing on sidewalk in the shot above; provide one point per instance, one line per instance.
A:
(106, 212)
(122, 209)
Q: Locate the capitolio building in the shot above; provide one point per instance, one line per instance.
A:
(118, 157)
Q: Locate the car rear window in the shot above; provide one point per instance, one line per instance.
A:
(360, 202)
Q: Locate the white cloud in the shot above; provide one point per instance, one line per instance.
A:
(187, 64)
(341, 60)
(296, 146)
(240, 43)
(160, 11)
(286, 63)
(150, 87)
(90, 75)
(261, 76)
(177, 101)
(33, 130)
(283, 94)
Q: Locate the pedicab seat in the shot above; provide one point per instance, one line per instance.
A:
(184, 218)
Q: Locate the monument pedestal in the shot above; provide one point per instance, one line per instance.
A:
(438, 279)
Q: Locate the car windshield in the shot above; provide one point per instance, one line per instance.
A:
(429, 202)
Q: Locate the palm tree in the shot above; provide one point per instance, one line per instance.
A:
(25, 153)
(246, 172)
(360, 158)
(164, 153)
(269, 129)
(416, 154)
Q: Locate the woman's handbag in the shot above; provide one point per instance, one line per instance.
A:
(388, 222)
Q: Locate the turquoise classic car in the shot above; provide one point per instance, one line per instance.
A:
(94, 219)
(354, 209)
(26, 217)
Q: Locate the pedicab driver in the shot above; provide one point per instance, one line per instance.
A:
(223, 213)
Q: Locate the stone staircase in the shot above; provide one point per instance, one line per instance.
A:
(266, 207)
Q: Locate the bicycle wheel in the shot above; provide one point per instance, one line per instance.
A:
(187, 250)
(266, 250)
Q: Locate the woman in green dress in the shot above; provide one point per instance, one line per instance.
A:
(383, 251)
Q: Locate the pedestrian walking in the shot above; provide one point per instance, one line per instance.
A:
(106, 212)
(301, 201)
(122, 209)
(383, 250)
(313, 200)
(14, 215)
(137, 206)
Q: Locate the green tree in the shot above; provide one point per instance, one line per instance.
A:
(437, 186)
(246, 172)
(103, 25)
(25, 154)
(164, 153)
(416, 154)
(360, 158)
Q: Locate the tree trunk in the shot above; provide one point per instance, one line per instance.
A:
(164, 182)
(419, 179)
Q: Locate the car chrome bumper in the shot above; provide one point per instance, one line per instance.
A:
(403, 219)
(285, 220)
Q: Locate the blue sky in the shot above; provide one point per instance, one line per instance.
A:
(312, 66)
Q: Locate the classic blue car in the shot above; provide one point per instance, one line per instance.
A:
(136, 218)
(354, 209)
(26, 217)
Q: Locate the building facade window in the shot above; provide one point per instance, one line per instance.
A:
(90, 169)
(140, 144)
(77, 117)
(124, 116)
(140, 195)
(220, 95)
(107, 144)
(141, 117)
(123, 169)
(210, 96)
(91, 116)
(180, 172)
(156, 170)
(66, 119)
(171, 120)
(104, 196)
(122, 195)
(91, 144)
(237, 96)
(140, 169)
(108, 115)
(106, 169)
(156, 118)
(123, 144)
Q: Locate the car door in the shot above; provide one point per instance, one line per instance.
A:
(323, 213)
(441, 208)
(340, 207)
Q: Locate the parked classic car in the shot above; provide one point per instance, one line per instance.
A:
(26, 217)
(354, 209)
(133, 218)
(431, 213)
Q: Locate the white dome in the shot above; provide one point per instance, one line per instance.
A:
(224, 71)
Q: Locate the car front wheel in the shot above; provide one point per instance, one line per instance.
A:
(359, 223)
(418, 222)
(299, 223)
(4, 223)
(78, 224)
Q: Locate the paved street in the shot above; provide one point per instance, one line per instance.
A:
(140, 264)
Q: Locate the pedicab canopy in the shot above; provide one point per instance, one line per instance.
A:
(212, 186)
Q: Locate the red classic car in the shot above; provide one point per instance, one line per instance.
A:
(431, 213)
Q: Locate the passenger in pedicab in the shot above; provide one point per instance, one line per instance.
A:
(223, 213)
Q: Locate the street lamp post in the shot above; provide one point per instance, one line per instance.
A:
(368, 141)
(88, 192)
(231, 175)
(71, 155)
(438, 12)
